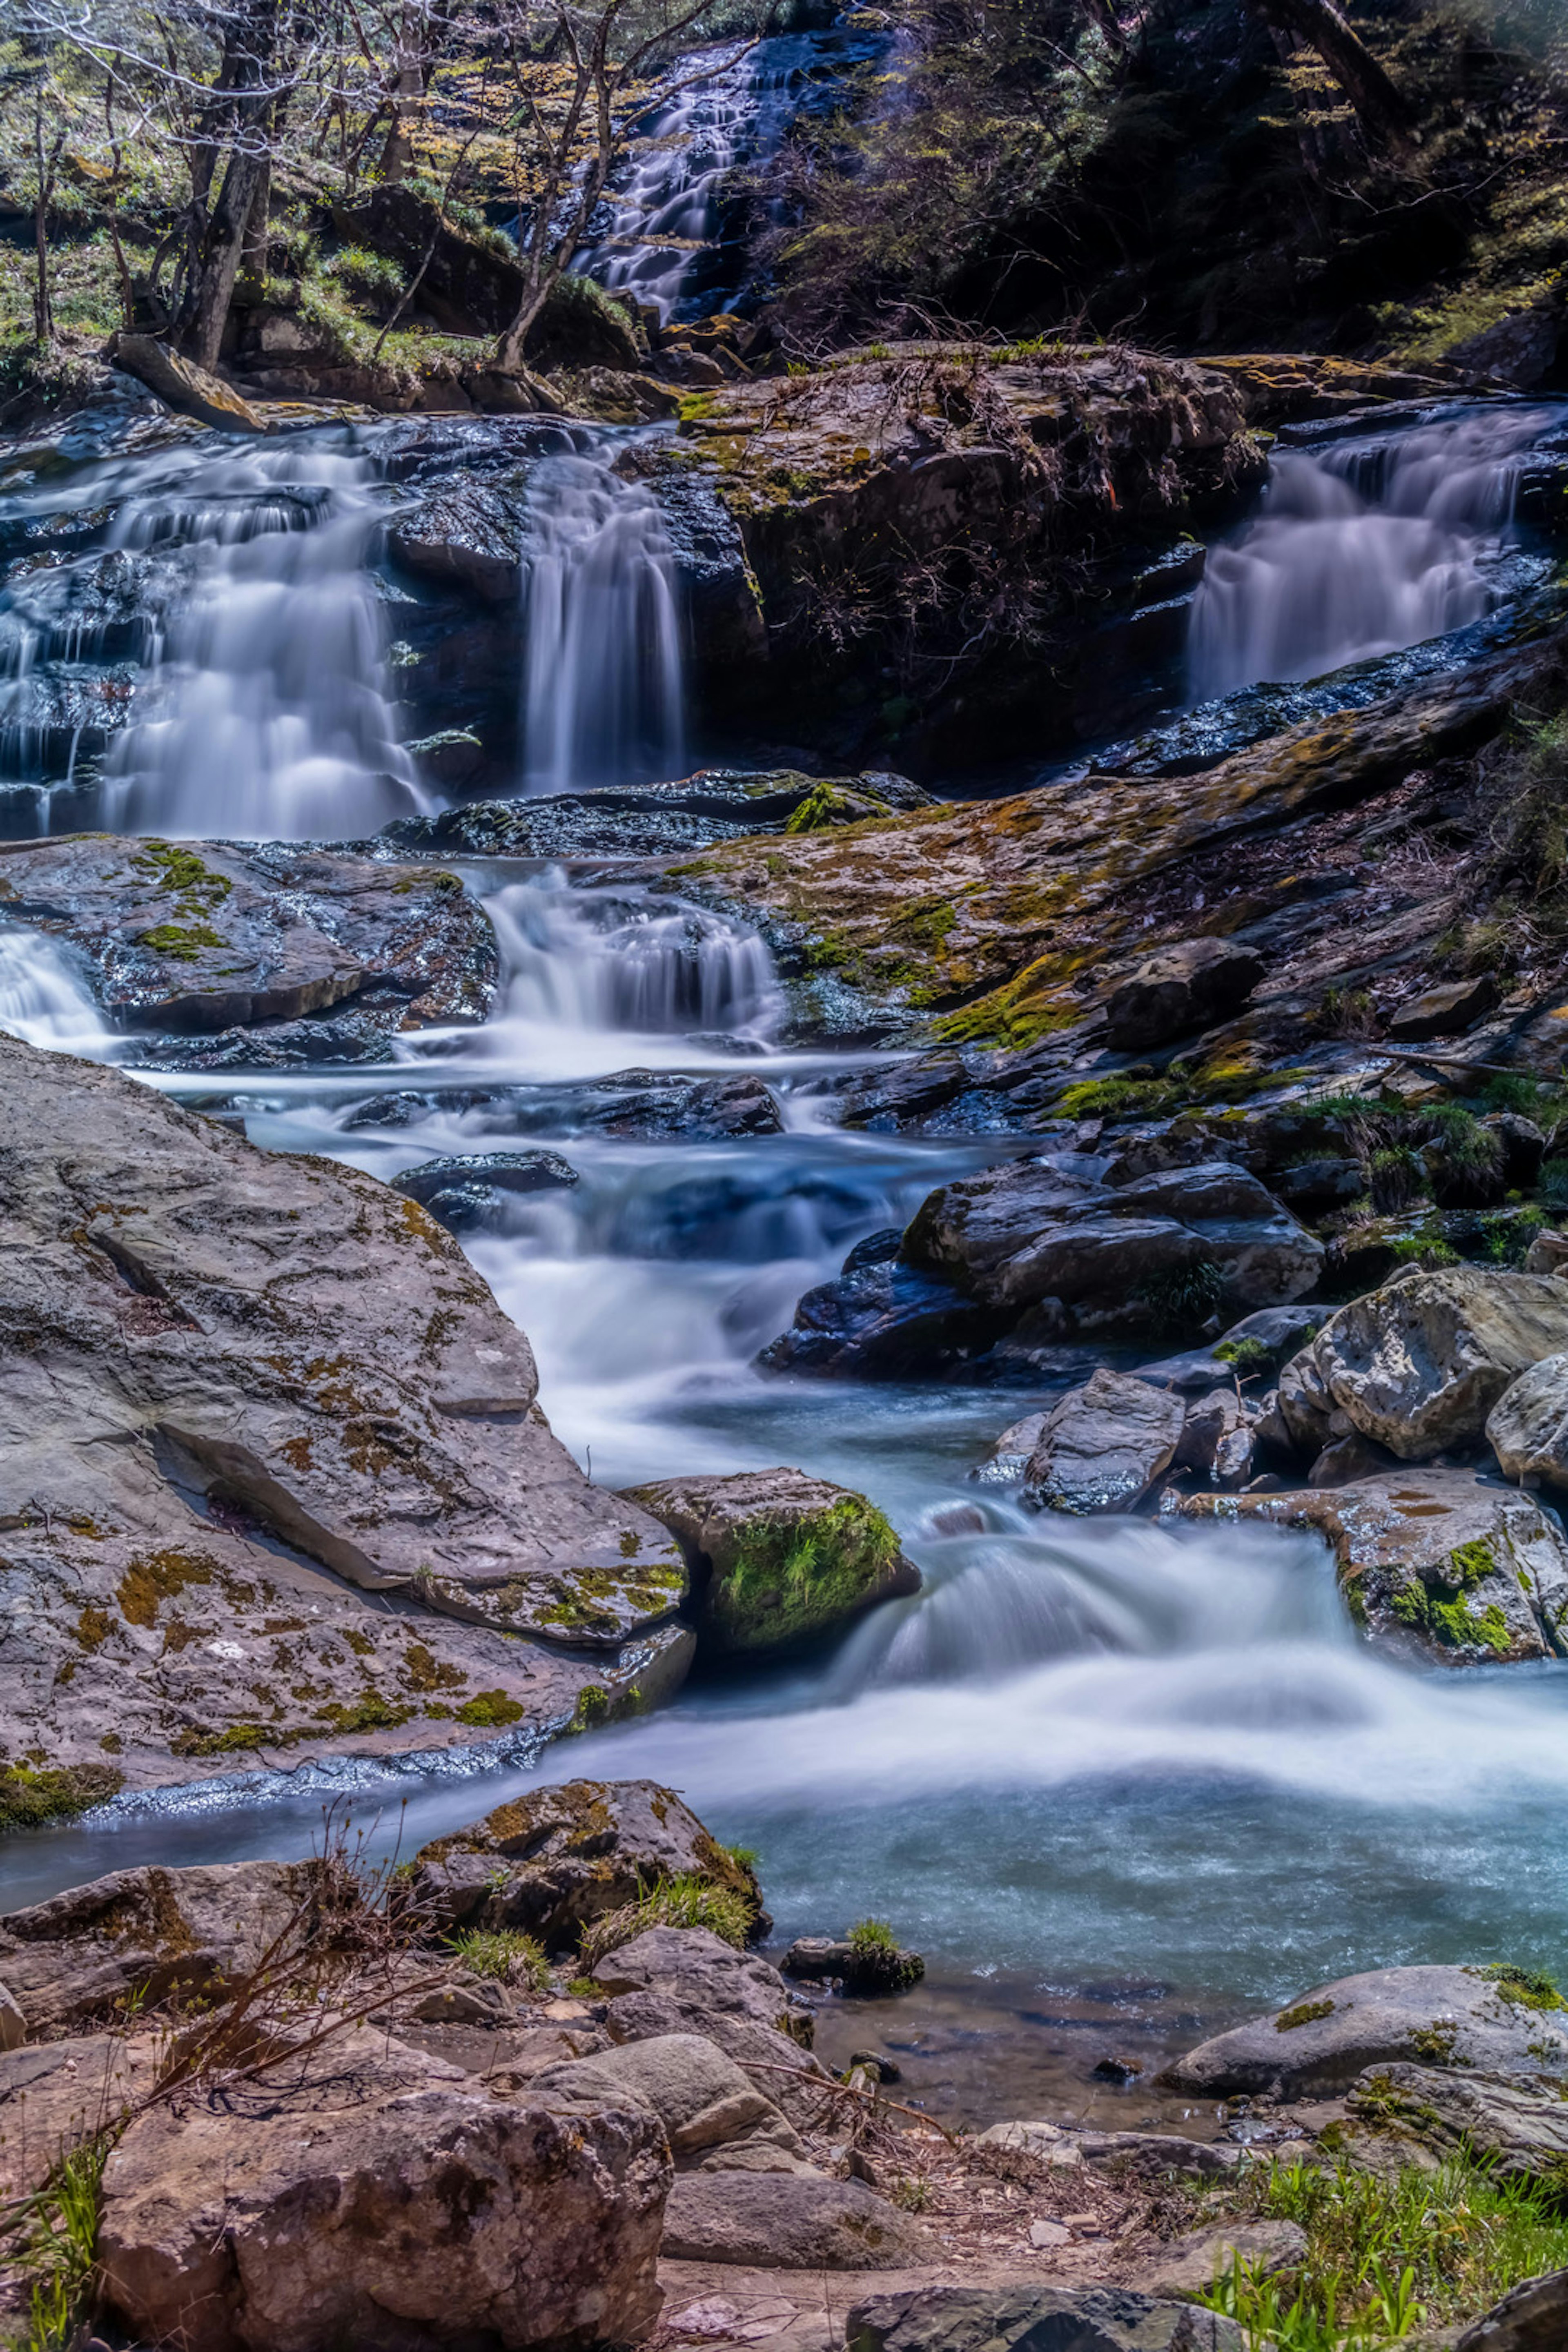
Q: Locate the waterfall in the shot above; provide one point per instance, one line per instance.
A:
(1362, 547)
(601, 677)
(45, 1001)
(266, 714)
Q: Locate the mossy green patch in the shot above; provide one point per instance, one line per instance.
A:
(788, 1577)
(31, 1799)
(490, 1710)
(1306, 2013)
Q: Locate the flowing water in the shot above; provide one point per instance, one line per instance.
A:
(1119, 1780)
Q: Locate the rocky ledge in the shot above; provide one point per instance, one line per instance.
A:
(492, 2101)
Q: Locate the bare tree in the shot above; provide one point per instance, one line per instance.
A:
(1376, 99)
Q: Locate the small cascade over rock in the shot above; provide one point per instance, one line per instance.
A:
(266, 711)
(601, 681)
(1363, 547)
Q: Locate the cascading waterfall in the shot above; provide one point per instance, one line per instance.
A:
(602, 684)
(599, 961)
(1362, 547)
(44, 1000)
(267, 710)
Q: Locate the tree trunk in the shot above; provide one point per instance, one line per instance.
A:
(1376, 99)
(214, 289)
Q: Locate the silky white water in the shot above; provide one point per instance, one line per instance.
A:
(1360, 548)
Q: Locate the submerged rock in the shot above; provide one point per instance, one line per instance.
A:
(202, 936)
(1489, 2017)
(776, 1557)
(555, 1859)
(1433, 1562)
(206, 1338)
(466, 1192)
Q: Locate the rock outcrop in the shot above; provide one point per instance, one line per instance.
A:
(776, 1556)
(204, 1340)
(552, 1861)
(1437, 1563)
(1513, 2126)
(1491, 2018)
(203, 936)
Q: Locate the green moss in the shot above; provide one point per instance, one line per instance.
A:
(29, 1799)
(1306, 2013)
(1244, 1355)
(1435, 2042)
(788, 1577)
(1471, 1563)
(490, 1710)
(878, 1963)
(179, 943)
(1521, 1987)
(1443, 1612)
(504, 1953)
(682, 1901)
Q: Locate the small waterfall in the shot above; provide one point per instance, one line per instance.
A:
(45, 1001)
(584, 962)
(266, 711)
(1362, 549)
(601, 680)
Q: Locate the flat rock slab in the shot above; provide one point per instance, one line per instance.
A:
(1320, 2043)
(789, 2221)
(187, 1315)
(203, 936)
(1437, 1563)
(988, 2319)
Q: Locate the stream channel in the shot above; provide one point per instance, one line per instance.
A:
(1119, 1783)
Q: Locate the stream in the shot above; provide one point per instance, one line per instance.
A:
(1119, 1783)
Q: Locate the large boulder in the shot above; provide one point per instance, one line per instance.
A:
(1181, 987)
(714, 2117)
(1418, 1365)
(267, 2218)
(1035, 2318)
(1491, 2018)
(187, 1316)
(1528, 1426)
(1033, 1230)
(789, 2221)
(689, 1980)
(885, 1321)
(1436, 1563)
(1103, 1446)
(776, 1556)
(553, 1859)
(201, 935)
(153, 1933)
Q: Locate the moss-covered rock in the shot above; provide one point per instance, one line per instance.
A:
(776, 1557)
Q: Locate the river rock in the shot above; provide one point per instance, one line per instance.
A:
(556, 1858)
(1548, 1254)
(706, 1976)
(1247, 1352)
(653, 820)
(1418, 1365)
(645, 1103)
(1103, 1446)
(158, 1932)
(789, 2221)
(882, 1321)
(998, 2318)
(1323, 2039)
(1189, 985)
(192, 1316)
(714, 2117)
(1528, 1426)
(267, 2219)
(201, 936)
(1009, 1458)
(466, 1192)
(1217, 1438)
(1529, 2318)
(776, 1556)
(1433, 1562)
(1516, 2127)
(1040, 1229)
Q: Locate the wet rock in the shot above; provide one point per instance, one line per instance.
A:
(1350, 1459)
(1516, 2129)
(882, 1321)
(495, 1171)
(184, 1933)
(1037, 1229)
(1245, 1352)
(1009, 1458)
(1182, 988)
(651, 820)
(713, 2114)
(470, 536)
(1104, 1446)
(998, 2318)
(1216, 1439)
(553, 1859)
(202, 936)
(1418, 1365)
(1433, 1562)
(320, 1042)
(1443, 1012)
(788, 2221)
(267, 2222)
(219, 1339)
(1529, 2318)
(1324, 2038)
(638, 1103)
(1528, 1426)
(864, 1968)
(181, 384)
(776, 1557)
